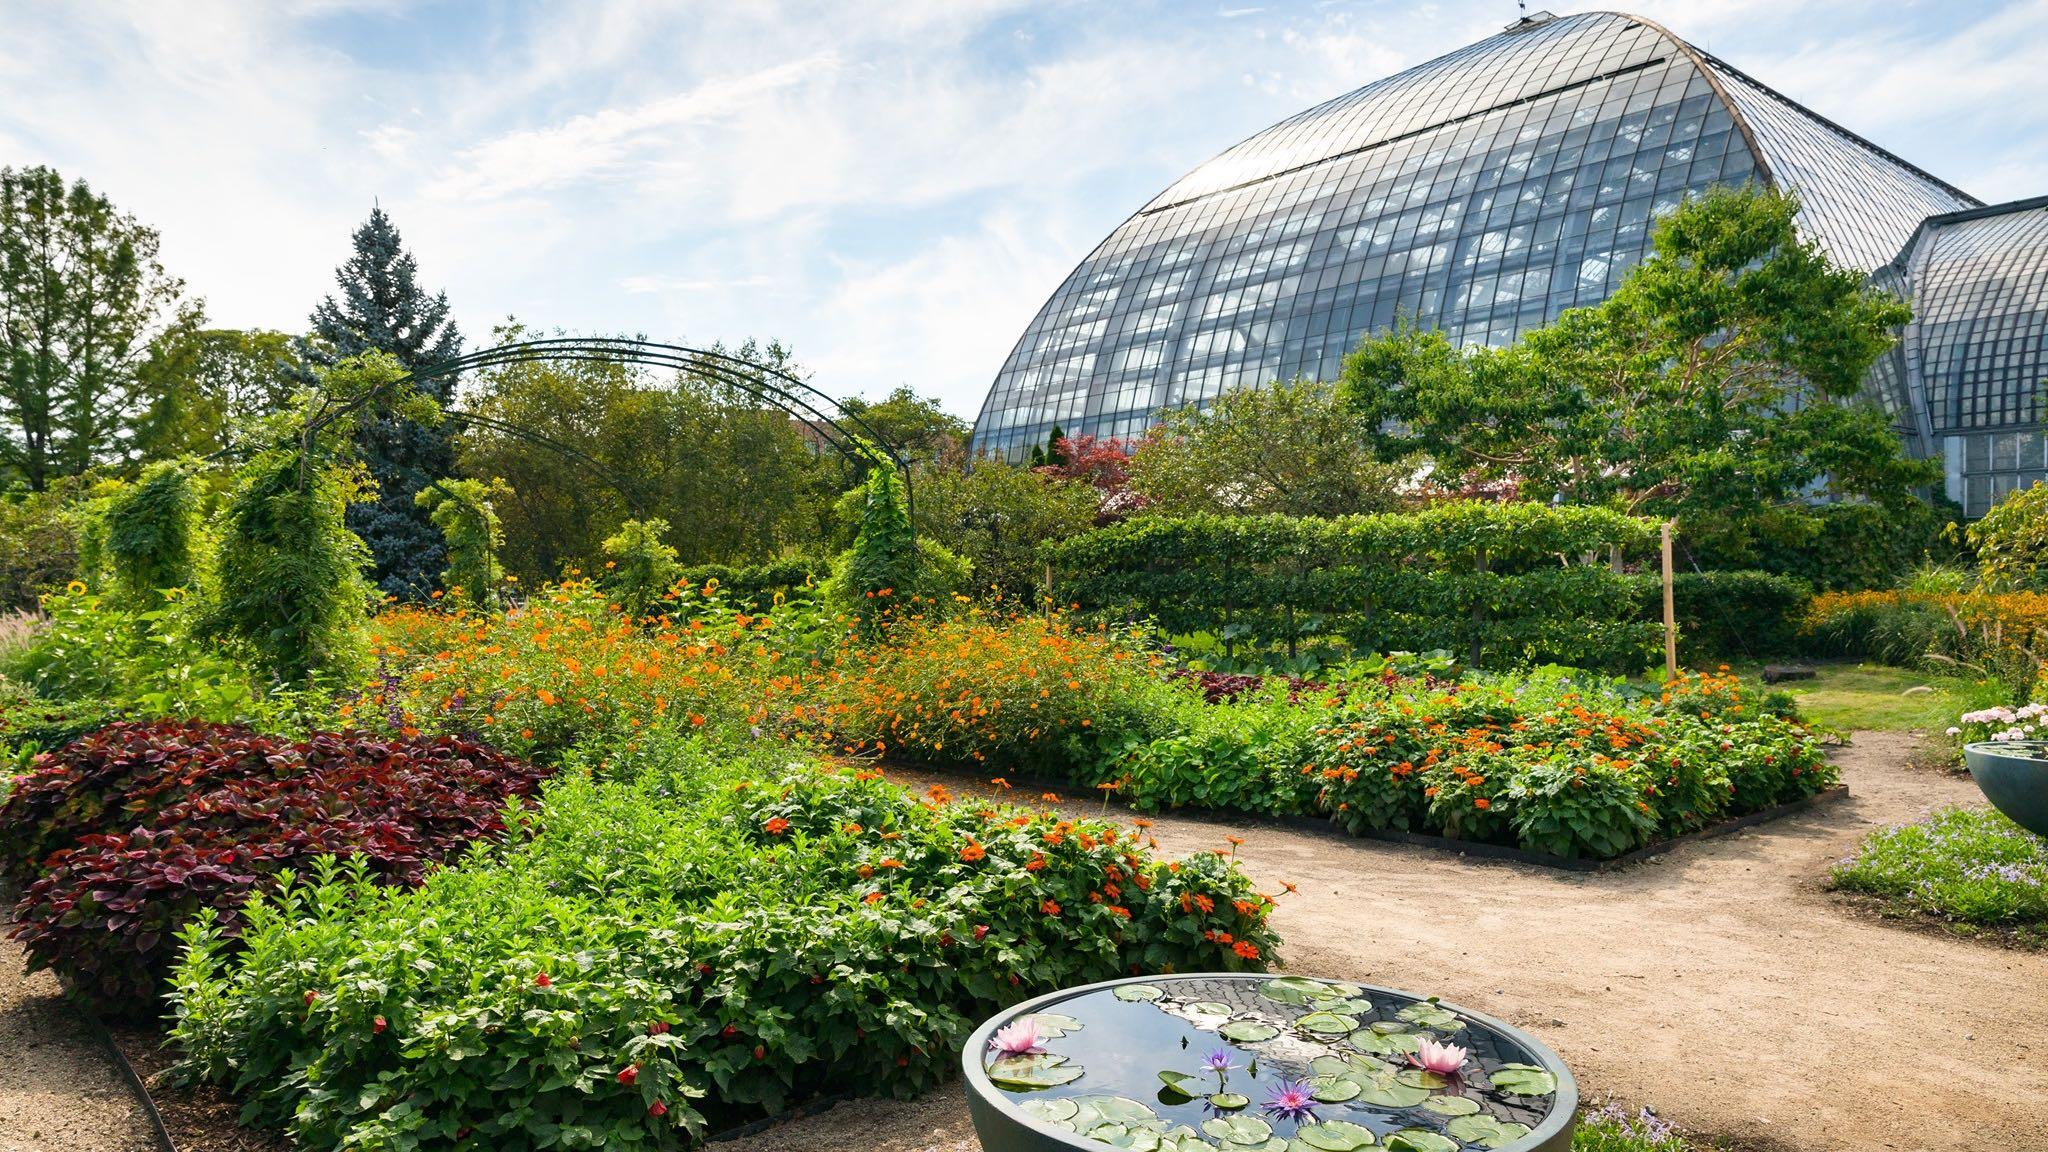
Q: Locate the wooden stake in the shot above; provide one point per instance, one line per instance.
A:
(1670, 613)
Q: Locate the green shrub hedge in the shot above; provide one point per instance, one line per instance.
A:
(1501, 585)
(1731, 615)
(755, 587)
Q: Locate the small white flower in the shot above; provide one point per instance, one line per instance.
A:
(1955, 731)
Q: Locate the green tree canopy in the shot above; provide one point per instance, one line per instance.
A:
(995, 515)
(1716, 385)
(914, 424)
(1288, 448)
(83, 301)
(736, 480)
(463, 510)
(210, 388)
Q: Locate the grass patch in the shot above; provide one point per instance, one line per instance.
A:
(1969, 867)
(1853, 697)
(1612, 1130)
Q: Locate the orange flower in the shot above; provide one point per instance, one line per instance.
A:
(973, 852)
(776, 826)
(1036, 863)
(872, 898)
(891, 862)
(1050, 908)
(1246, 949)
(1482, 803)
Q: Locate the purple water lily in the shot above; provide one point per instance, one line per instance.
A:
(1292, 1100)
(1218, 1061)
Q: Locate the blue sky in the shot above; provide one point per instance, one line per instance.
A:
(890, 188)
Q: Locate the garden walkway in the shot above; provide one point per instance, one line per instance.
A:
(1717, 984)
(59, 1088)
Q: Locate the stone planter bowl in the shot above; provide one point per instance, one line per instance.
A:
(2013, 780)
(1002, 1126)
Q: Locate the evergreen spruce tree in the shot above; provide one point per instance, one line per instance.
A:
(383, 307)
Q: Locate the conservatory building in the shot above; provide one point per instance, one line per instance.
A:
(1486, 191)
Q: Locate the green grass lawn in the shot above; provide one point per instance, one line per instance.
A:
(1847, 697)
(1969, 867)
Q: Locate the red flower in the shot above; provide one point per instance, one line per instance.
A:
(657, 1028)
(760, 1053)
(629, 1073)
(703, 969)
(1050, 908)
(541, 981)
(657, 1109)
(728, 1032)
(377, 1026)
(980, 933)
(310, 997)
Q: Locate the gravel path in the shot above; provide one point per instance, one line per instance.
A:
(1716, 984)
(59, 1088)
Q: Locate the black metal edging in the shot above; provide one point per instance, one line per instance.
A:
(134, 1078)
(1324, 826)
(1563, 1113)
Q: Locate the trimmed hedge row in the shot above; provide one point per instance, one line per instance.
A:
(1499, 584)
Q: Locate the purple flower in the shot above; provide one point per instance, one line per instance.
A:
(1292, 1100)
(1218, 1061)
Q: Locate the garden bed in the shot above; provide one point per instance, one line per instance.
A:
(1478, 849)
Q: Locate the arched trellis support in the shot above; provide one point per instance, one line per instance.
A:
(847, 432)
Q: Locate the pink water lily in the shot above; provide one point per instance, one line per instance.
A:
(1018, 1039)
(1443, 1059)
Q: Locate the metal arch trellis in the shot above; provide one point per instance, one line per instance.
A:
(824, 415)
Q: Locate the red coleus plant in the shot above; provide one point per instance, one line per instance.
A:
(125, 835)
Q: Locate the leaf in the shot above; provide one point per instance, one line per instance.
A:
(1420, 1140)
(1486, 1131)
(1335, 1136)
(1136, 992)
(1387, 1092)
(1297, 990)
(1428, 1014)
(1327, 1023)
(1177, 1083)
(1229, 1101)
(1055, 1111)
(1238, 1129)
(1335, 1089)
(1052, 1025)
(1420, 1078)
(1452, 1106)
(1040, 1070)
(1385, 1043)
(1248, 1031)
(1523, 1080)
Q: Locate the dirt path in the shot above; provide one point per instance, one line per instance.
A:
(1716, 984)
(59, 1088)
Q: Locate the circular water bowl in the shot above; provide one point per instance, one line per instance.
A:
(2014, 778)
(1257, 1063)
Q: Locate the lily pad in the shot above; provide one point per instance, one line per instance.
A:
(1229, 1101)
(1039, 1070)
(1335, 1136)
(1335, 1089)
(1248, 1031)
(1388, 1092)
(1119, 1109)
(1327, 1023)
(1420, 1078)
(1452, 1106)
(1052, 1025)
(1178, 1083)
(1420, 1140)
(1486, 1131)
(1429, 1014)
(1331, 1066)
(1390, 1027)
(1348, 1005)
(1299, 990)
(1057, 1111)
(1239, 1129)
(1385, 1043)
(1210, 1008)
(1523, 1080)
(1138, 992)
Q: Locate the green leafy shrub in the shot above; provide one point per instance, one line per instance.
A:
(288, 584)
(463, 511)
(642, 567)
(38, 543)
(101, 652)
(1729, 614)
(1970, 866)
(761, 587)
(2011, 541)
(1243, 755)
(122, 837)
(152, 532)
(668, 955)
